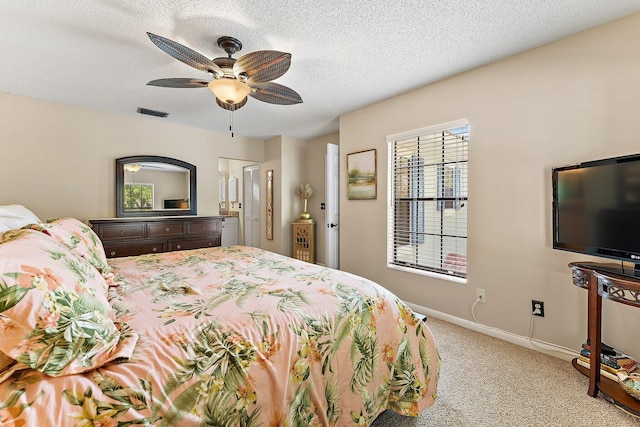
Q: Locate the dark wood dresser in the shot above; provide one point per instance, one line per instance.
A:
(137, 236)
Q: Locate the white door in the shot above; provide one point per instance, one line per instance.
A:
(332, 236)
(251, 192)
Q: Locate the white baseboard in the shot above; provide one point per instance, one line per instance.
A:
(537, 345)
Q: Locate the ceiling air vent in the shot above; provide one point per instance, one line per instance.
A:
(149, 112)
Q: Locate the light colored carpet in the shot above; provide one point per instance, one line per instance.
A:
(485, 381)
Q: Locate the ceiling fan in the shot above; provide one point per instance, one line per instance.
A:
(233, 79)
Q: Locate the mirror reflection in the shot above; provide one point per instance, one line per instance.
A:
(154, 186)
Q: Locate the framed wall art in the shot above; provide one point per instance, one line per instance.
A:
(361, 170)
(270, 204)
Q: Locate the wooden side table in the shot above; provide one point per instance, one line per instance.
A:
(604, 281)
(304, 240)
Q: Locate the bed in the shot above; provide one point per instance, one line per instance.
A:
(232, 336)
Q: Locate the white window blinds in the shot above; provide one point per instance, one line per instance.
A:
(428, 181)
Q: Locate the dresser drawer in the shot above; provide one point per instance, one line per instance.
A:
(166, 229)
(181, 245)
(136, 236)
(203, 227)
(120, 231)
(129, 249)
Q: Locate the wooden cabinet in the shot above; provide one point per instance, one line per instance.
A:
(137, 236)
(304, 240)
(604, 280)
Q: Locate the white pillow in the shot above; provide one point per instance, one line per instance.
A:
(15, 216)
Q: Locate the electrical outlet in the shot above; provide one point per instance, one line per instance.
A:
(481, 295)
(537, 308)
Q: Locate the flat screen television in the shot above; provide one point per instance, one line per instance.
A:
(596, 208)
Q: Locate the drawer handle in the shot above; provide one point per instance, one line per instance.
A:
(113, 253)
(155, 249)
(167, 229)
(209, 243)
(178, 246)
(121, 231)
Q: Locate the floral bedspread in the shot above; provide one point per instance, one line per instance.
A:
(241, 337)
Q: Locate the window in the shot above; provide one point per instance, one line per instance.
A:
(427, 216)
(138, 197)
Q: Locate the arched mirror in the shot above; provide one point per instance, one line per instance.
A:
(154, 186)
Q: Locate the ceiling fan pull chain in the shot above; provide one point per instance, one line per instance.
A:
(231, 123)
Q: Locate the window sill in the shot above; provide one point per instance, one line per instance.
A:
(461, 280)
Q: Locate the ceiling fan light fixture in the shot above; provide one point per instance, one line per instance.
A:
(232, 79)
(231, 107)
(229, 90)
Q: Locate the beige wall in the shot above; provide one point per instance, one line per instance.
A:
(574, 100)
(286, 156)
(59, 160)
(294, 173)
(273, 154)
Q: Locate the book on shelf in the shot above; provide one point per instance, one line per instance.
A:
(606, 367)
(604, 348)
(604, 373)
(612, 353)
(612, 363)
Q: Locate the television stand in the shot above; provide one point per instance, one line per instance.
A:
(618, 269)
(604, 280)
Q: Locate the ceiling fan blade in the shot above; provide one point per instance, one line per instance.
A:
(274, 93)
(262, 65)
(181, 83)
(185, 54)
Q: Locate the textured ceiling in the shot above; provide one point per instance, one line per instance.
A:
(345, 54)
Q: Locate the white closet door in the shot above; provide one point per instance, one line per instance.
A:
(332, 239)
(251, 192)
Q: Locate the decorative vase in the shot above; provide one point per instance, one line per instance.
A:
(305, 214)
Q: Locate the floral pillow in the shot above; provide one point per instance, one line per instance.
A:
(54, 314)
(79, 238)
